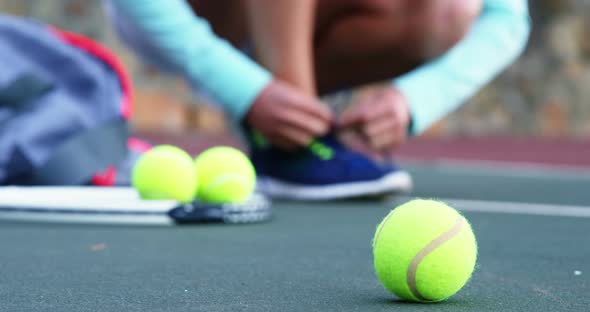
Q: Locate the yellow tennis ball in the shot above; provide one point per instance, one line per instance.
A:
(225, 175)
(165, 172)
(424, 251)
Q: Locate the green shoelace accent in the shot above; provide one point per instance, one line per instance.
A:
(323, 151)
(259, 139)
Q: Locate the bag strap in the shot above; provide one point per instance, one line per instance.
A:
(20, 91)
(77, 160)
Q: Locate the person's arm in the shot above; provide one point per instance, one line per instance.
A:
(439, 87)
(183, 42)
(188, 43)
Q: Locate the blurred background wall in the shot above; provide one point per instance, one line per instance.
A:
(545, 93)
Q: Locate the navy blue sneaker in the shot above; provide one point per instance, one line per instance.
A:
(323, 171)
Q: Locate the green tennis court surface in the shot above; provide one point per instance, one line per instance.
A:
(532, 227)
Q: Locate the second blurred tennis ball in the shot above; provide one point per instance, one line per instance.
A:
(225, 175)
(165, 172)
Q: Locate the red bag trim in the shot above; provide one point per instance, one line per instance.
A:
(108, 57)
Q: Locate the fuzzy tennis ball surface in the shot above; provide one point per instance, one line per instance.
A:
(225, 175)
(165, 172)
(424, 251)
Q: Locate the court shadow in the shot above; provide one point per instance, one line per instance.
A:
(107, 226)
(392, 302)
(69, 225)
(359, 199)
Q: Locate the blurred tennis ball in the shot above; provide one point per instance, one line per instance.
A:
(225, 175)
(424, 251)
(165, 172)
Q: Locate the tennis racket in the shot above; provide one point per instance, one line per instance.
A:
(120, 205)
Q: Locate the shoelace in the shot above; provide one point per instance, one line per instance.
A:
(321, 150)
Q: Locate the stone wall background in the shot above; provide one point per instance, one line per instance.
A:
(545, 93)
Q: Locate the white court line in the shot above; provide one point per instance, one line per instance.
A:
(518, 208)
(502, 168)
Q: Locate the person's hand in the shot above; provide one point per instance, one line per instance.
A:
(381, 117)
(287, 117)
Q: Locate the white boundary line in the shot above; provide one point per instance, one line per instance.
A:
(504, 168)
(518, 208)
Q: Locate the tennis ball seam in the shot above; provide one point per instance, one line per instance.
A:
(380, 228)
(424, 252)
(224, 178)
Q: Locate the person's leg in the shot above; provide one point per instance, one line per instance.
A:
(354, 41)
(277, 34)
(363, 41)
(287, 49)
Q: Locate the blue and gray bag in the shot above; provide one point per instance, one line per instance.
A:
(64, 105)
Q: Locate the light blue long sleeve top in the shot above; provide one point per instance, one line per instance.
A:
(495, 40)
(186, 42)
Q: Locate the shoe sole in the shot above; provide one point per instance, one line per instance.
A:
(393, 183)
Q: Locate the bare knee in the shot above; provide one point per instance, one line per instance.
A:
(433, 27)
